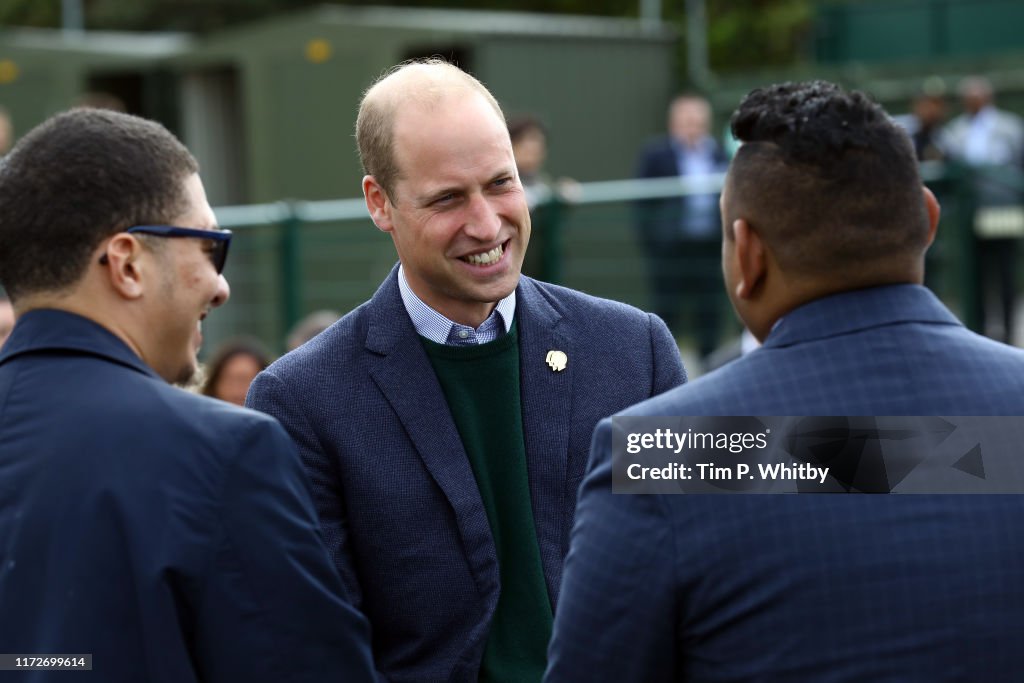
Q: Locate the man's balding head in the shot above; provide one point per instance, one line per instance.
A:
(422, 83)
(442, 181)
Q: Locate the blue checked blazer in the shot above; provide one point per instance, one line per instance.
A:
(824, 588)
(170, 536)
(397, 499)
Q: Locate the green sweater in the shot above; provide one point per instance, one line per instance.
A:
(481, 385)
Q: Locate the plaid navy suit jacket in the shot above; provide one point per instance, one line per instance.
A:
(398, 503)
(808, 587)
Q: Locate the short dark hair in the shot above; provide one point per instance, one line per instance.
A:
(826, 179)
(76, 179)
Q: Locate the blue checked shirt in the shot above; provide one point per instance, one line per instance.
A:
(439, 329)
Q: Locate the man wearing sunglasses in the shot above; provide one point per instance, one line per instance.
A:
(145, 532)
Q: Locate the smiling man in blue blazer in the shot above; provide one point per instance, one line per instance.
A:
(445, 423)
(825, 226)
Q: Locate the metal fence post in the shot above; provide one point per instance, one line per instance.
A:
(290, 267)
(551, 217)
(967, 204)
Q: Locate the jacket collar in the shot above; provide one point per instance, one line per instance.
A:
(389, 324)
(55, 330)
(856, 310)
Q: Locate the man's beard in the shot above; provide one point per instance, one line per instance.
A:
(191, 378)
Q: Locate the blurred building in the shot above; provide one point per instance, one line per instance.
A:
(269, 108)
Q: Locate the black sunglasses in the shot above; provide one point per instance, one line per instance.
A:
(221, 238)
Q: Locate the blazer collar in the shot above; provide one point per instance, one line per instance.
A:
(388, 323)
(546, 397)
(401, 369)
(856, 310)
(537, 308)
(403, 373)
(55, 330)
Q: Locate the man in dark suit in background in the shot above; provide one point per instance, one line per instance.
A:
(445, 423)
(680, 236)
(990, 141)
(170, 536)
(825, 223)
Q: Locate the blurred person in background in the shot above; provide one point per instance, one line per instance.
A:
(232, 369)
(6, 131)
(925, 121)
(170, 536)
(445, 423)
(546, 197)
(731, 350)
(924, 125)
(825, 226)
(309, 327)
(6, 317)
(991, 142)
(680, 236)
(102, 100)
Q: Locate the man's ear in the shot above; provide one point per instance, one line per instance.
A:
(122, 263)
(377, 203)
(751, 259)
(934, 212)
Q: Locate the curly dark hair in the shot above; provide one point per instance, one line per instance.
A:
(76, 179)
(827, 178)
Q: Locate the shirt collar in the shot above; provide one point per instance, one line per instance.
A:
(437, 328)
(704, 146)
(985, 115)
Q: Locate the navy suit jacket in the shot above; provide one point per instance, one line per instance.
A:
(808, 587)
(398, 502)
(660, 221)
(169, 535)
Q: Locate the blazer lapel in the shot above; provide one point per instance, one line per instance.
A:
(401, 369)
(546, 396)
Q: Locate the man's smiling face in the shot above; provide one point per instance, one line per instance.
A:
(458, 214)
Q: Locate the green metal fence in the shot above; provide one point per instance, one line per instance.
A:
(291, 258)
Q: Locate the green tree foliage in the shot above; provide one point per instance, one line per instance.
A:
(745, 34)
(29, 13)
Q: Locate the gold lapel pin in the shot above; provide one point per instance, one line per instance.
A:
(556, 360)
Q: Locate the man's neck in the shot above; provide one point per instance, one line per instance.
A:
(80, 301)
